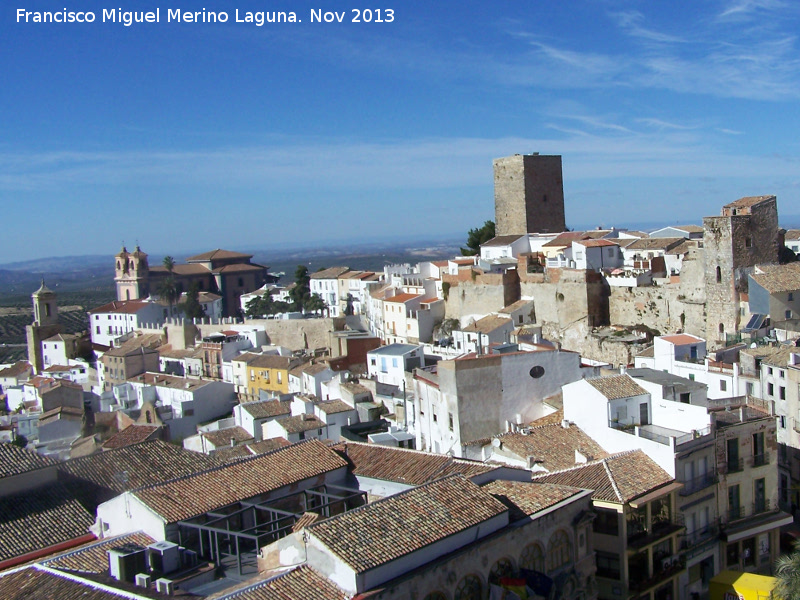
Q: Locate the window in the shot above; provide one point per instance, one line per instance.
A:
(782, 422)
(788, 314)
(606, 522)
(280, 378)
(559, 550)
(502, 568)
(791, 297)
(719, 275)
(450, 419)
(691, 376)
(734, 511)
(782, 393)
(770, 389)
(532, 558)
(536, 372)
(684, 397)
(732, 554)
(469, 588)
(748, 242)
(435, 418)
(781, 374)
(607, 565)
(769, 370)
(723, 385)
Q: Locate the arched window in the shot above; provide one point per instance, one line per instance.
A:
(532, 558)
(721, 328)
(469, 588)
(559, 550)
(502, 568)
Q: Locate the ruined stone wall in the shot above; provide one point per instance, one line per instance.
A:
(471, 292)
(664, 308)
(567, 296)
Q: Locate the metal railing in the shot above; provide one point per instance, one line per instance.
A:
(734, 465)
(759, 460)
(698, 483)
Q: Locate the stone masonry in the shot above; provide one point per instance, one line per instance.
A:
(528, 194)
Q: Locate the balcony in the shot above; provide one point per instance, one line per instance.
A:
(759, 460)
(734, 465)
(698, 483)
(639, 537)
(757, 508)
(668, 568)
(689, 541)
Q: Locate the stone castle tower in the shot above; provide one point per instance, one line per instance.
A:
(528, 194)
(131, 274)
(45, 324)
(746, 234)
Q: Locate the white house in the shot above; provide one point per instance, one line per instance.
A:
(326, 284)
(596, 255)
(389, 364)
(118, 318)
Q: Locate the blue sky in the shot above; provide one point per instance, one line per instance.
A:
(192, 136)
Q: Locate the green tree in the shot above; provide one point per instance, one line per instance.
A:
(302, 287)
(476, 237)
(787, 572)
(168, 289)
(260, 306)
(315, 303)
(191, 307)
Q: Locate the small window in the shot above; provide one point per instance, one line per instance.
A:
(782, 393)
(769, 370)
(791, 297)
(723, 385)
(719, 275)
(782, 422)
(435, 418)
(450, 420)
(536, 372)
(748, 242)
(770, 389)
(691, 376)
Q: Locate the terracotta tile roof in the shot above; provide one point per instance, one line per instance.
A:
(57, 369)
(223, 437)
(302, 583)
(40, 518)
(315, 368)
(332, 407)
(524, 498)
(238, 268)
(217, 254)
(617, 386)
(301, 423)
(502, 240)
(268, 445)
(792, 234)
(407, 522)
(681, 339)
(138, 344)
(199, 493)
(601, 243)
(181, 270)
(552, 446)
(565, 239)
(748, 201)
(689, 228)
(130, 307)
(648, 352)
(33, 582)
(169, 381)
(272, 361)
(330, 273)
(354, 388)
(228, 454)
(619, 478)
(94, 558)
(100, 477)
(403, 298)
(132, 434)
(15, 460)
(246, 357)
(267, 409)
(775, 356)
(655, 243)
(17, 369)
(778, 279)
(401, 465)
(65, 412)
(61, 337)
(684, 247)
(488, 324)
(515, 306)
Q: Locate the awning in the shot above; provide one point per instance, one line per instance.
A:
(662, 491)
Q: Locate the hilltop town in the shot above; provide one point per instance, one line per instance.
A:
(596, 415)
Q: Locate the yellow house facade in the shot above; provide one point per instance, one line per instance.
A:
(269, 373)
